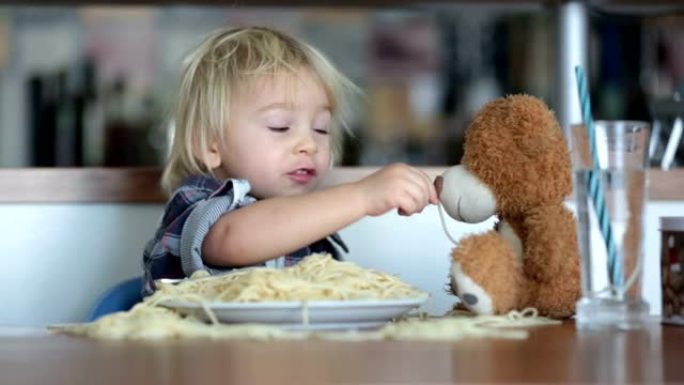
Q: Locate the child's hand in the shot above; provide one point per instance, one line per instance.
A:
(397, 186)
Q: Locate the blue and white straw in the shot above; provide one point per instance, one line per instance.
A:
(594, 184)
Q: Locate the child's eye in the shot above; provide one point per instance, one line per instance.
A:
(279, 129)
(321, 131)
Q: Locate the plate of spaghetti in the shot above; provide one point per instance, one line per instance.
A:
(352, 314)
(317, 293)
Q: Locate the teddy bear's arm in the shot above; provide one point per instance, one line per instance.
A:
(551, 244)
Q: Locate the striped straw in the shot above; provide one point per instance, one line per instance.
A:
(594, 184)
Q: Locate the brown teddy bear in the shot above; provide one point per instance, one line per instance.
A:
(516, 164)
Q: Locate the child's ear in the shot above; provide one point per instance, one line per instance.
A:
(213, 156)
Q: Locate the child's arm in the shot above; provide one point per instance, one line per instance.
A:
(277, 226)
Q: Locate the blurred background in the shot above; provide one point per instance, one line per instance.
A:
(94, 85)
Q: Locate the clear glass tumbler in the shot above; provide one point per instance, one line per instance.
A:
(610, 186)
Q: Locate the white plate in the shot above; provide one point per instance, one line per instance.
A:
(322, 315)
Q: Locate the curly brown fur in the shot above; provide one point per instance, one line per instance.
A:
(517, 148)
(551, 261)
(489, 260)
(519, 136)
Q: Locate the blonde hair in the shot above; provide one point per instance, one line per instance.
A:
(226, 59)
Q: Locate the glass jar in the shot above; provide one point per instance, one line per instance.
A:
(672, 269)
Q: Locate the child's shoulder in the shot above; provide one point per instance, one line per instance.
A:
(200, 183)
(193, 189)
(196, 188)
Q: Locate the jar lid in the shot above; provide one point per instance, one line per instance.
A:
(672, 223)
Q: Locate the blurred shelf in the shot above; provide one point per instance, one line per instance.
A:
(141, 185)
(288, 3)
(81, 185)
(347, 3)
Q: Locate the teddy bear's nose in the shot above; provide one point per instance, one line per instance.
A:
(439, 182)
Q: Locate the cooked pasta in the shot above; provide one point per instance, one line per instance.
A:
(145, 322)
(317, 277)
(464, 325)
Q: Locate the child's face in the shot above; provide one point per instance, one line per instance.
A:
(279, 135)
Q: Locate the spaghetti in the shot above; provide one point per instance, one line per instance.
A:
(317, 277)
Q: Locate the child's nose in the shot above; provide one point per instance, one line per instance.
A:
(306, 144)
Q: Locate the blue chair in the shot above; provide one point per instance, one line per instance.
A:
(120, 297)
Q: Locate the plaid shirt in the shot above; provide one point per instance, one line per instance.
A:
(175, 250)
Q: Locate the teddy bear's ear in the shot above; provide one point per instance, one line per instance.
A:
(536, 130)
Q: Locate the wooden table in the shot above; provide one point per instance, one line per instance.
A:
(551, 354)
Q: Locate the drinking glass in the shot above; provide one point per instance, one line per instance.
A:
(610, 186)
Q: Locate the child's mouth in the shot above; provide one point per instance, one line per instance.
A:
(302, 175)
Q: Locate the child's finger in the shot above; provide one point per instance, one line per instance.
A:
(429, 188)
(408, 204)
(418, 193)
(430, 191)
(434, 197)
